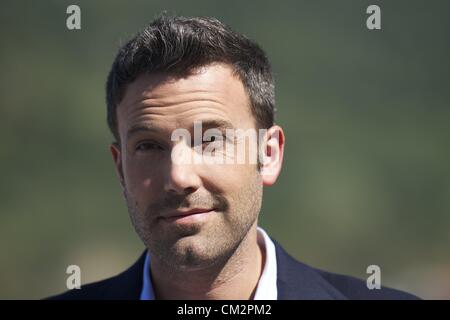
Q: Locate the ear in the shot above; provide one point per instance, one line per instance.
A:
(117, 157)
(272, 155)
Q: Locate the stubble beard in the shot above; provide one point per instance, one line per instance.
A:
(199, 246)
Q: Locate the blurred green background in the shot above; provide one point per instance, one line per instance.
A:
(366, 177)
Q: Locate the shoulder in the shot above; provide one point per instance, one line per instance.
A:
(356, 289)
(124, 286)
(93, 291)
(297, 280)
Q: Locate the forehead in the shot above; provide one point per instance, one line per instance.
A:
(212, 92)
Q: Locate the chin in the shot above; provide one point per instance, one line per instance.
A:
(194, 254)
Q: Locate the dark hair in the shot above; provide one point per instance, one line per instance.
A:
(178, 45)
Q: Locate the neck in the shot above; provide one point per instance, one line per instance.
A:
(236, 278)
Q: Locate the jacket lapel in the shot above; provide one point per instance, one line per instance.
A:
(297, 281)
(128, 284)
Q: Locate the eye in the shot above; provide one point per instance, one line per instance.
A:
(148, 146)
(215, 144)
(214, 138)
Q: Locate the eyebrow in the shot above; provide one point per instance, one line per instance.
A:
(220, 124)
(141, 127)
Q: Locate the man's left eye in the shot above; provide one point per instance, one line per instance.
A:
(211, 139)
(214, 138)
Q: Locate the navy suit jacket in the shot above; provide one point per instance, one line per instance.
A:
(295, 280)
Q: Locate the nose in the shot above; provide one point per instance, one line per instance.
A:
(182, 177)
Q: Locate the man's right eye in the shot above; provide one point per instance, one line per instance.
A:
(147, 146)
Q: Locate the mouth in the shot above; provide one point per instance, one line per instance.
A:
(188, 216)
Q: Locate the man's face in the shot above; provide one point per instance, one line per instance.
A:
(157, 189)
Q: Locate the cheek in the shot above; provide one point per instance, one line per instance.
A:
(243, 190)
(141, 177)
(232, 179)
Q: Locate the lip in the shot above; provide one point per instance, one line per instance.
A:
(186, 216)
